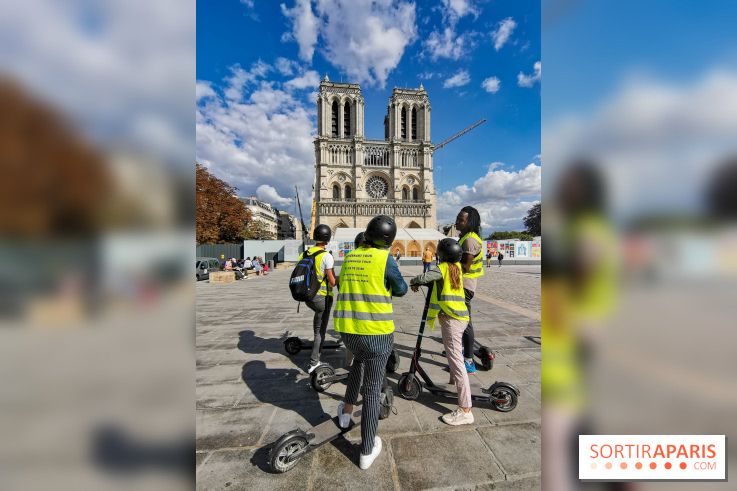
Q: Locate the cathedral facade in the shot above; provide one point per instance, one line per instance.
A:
(357, 179)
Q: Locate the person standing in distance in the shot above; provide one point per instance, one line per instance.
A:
(364, 318)
(426, 259)
(323, 301)
(468, 224)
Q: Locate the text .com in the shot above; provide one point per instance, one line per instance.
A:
(652, 457)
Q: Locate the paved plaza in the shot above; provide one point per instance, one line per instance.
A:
(250, 392)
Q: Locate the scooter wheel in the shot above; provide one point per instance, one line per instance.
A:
(386, 402)
(319, 379)
(486, 357)
(393, 362)
(292, 345)
(504, 399)
(409, 387)
(281, 456)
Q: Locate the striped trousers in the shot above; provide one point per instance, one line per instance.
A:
(370, 354)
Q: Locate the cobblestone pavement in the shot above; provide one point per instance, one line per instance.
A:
(249, 392)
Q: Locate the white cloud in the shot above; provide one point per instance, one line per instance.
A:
(248, 3)
(112, 67)
(503, 32)
(269, 194)
(529, 80)
(285, 66)
(366, 39)
(304, 27)
(461, 8)
(657, 143)
(203, 90)
(260, 140)
(458, 80)
(502, 197)
(239, 78)
(492, 85)
(309, 80)
(446, 44)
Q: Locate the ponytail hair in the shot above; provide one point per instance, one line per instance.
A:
(454, 272)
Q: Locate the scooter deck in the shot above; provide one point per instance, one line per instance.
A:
(450, 389)
(325, 345)
(329, 429)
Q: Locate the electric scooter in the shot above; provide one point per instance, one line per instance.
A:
(502, 395)
(289, 449)
(294, 345)
(324, 376)
(484, 354)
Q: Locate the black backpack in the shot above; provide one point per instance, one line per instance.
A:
(304, 283)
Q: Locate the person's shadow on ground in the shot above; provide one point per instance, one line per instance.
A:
(284, 388)
(249, 343)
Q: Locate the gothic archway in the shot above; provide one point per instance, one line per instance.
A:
(413, 249)
(413, 224)
(397, 245)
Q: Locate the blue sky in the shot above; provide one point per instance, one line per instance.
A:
(258, 64)
(592, 46)
(648, 90)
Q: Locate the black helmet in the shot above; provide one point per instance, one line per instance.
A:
(381, 231)
(322, 233)
(360, 239)
(449, 251)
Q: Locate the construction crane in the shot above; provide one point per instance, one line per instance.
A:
(459, 134)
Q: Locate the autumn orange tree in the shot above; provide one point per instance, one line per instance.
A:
(220, 217)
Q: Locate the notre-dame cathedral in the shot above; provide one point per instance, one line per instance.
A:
(357, 179)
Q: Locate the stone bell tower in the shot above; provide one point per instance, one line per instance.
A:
(357, 179)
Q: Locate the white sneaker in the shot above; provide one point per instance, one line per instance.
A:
(311, 368)
(344, 420)
(366, 460)
(458, 417)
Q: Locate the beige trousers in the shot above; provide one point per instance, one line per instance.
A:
(452, 330)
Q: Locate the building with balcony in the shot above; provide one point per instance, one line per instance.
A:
(264, 213)
(357, 179)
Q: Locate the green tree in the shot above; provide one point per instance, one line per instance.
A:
(220, 217)
(256, 230)
(532, 220)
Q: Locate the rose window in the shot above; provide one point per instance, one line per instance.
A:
(376, 187)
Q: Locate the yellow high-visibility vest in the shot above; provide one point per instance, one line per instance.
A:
(364, 304)
(324, 290)
(561, 377)
(451, 300)
(596, 298)
(477, 266)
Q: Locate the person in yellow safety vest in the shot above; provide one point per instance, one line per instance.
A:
(468, 224)
(448, 307)
(364, 318)
(323, 301)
